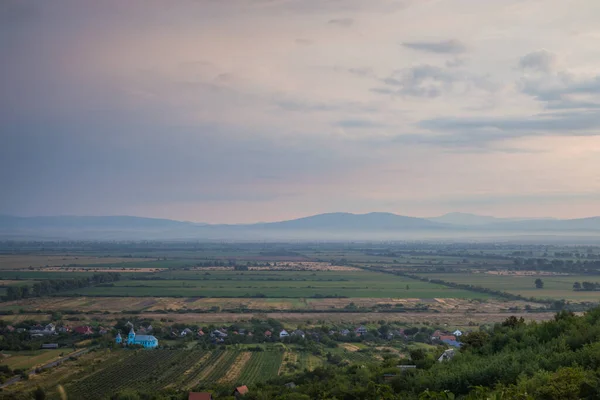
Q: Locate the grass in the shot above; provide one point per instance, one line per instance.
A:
(30, 359)
(555, 287)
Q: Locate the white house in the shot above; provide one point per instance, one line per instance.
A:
(457, 333)
(283, 334)
(446, 355)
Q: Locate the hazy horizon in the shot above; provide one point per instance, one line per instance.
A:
(268, 110)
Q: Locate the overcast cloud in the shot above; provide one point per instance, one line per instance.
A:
(261, 110)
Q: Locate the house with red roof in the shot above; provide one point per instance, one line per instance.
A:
(240, 391)
(83, 330)
(199, 396)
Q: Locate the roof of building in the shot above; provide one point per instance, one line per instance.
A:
(242, 389)
(144, 337)
(199, 396)
(447, 337)
(452, 343)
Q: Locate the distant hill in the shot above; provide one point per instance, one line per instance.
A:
(466, 219)
(331, 226)
(108, 222)
(370, 221)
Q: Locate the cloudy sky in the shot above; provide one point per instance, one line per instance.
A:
(261, 110)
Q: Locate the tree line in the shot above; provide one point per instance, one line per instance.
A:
(51, 286)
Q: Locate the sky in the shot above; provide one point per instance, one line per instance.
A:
(263, 110)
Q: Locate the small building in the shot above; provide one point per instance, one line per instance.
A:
(119, 338)
(299, 333)
(200, 332)
(361, 330)
(240, 391)
(447, 337)
(283, 334)
(290, 385)
(452, 343)
(200, 396)
(344, 332)
(186, 331)
(268, 334)
(447, 355)
(388, 377)
(457, 333)
(83, 330)
(50, 346)
(436, 335)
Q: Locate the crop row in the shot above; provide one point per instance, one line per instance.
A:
(142, 369)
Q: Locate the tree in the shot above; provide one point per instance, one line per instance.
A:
(39, 394)
(577, 286)
(539, 284)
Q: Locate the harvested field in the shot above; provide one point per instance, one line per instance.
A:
(236, 368)
(118, 304)
(115, 304)
(350, 347)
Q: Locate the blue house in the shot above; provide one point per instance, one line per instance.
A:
(148, 341)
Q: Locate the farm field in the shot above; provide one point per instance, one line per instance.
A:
(555, 287)
(101, 373)
(29, 359)
(292, 284)
(26, 261)
(120, 304)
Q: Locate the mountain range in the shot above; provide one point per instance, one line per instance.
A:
(330, 226)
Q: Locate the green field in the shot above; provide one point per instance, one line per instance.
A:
(555, 287)
(29, 359)
(292, 284)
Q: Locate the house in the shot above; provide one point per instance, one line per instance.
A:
(452, 343)
(457, 333)
(199, 396)
(83, 330)
(218, 334)
(446, 355)
(148, 341)
(298, 332)
(186, 331)
(447, 337)
(361, 330)
(64, 329)
(283, 334)
(436, 335)
(38, 330)
(50, 346)
(240, 391)
(344, 332)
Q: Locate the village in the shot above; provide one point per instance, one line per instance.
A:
(289, 349)
(227, 335)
